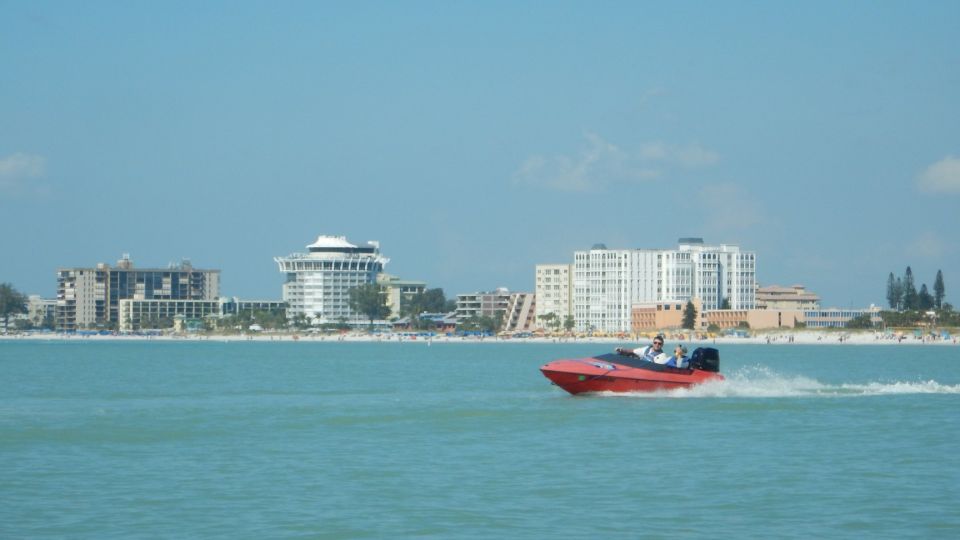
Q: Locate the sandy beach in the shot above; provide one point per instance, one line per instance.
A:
(805, 337)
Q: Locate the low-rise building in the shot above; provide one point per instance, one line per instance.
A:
(669, 316)
(482, 304)
(149, 314)
(661, 315)
(140, 314)
(399, 292)
(838, 318)
(795, 297)
(234, 305)
(756, 319)
(437, 322)
(41, 311)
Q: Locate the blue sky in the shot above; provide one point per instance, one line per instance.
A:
(477, 139)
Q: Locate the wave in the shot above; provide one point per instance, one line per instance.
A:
(762, 382)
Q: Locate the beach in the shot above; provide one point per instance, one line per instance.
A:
(803, 337)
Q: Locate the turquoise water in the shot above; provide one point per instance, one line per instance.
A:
(458, 440)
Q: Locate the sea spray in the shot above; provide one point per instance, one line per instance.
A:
(763, 382)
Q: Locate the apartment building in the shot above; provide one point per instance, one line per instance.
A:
(554, 293)
(483, 304)
(608, 283)
(90, 297)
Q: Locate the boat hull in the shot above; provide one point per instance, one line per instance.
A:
(600, 374)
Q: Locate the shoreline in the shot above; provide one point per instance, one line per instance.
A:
(778, 338)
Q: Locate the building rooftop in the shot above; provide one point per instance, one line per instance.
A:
(794, 292)
(324, 241)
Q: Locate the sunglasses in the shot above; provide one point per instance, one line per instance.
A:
(658, 343)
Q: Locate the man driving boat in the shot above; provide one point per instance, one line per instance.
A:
(648, 353)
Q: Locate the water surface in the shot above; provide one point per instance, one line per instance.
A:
(468, 440)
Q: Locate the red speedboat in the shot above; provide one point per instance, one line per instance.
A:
(629, 373)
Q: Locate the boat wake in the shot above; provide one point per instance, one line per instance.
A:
(762, 382)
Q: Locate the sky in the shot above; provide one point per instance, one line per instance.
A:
(475, 140)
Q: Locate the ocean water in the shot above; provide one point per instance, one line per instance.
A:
(468, 440)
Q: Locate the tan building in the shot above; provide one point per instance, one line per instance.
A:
(520, 313)
(757, 319)
(795, 297)
(781, 311)
(399, 292)
(662, 315)
(669, 315)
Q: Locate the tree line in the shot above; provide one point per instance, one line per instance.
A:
(902, 293)
(12, 302)
(371, 300)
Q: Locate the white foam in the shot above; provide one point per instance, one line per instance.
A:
(762, 382)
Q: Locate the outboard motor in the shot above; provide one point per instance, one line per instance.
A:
(705, 359)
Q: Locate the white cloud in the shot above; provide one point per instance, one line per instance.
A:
(15, 168)
(602, 163)
(941, 177)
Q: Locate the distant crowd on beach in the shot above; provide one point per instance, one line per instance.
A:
(808, 337)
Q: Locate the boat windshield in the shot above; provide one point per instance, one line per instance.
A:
(637, 362)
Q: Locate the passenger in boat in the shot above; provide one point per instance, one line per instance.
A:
(679, 358)
(648, 353)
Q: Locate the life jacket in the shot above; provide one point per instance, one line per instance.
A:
(649, 354)
(682, 362)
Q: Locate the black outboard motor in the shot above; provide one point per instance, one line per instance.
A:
(705, 359)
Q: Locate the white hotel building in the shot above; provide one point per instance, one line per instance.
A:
(318, 283)
(608, 283)
(554, 292)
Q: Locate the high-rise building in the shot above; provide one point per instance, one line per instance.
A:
(608, 283)
(318, 282)
(718, 275)
(90, 297)
(554, 294)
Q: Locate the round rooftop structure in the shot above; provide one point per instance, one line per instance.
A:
(325, 242)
